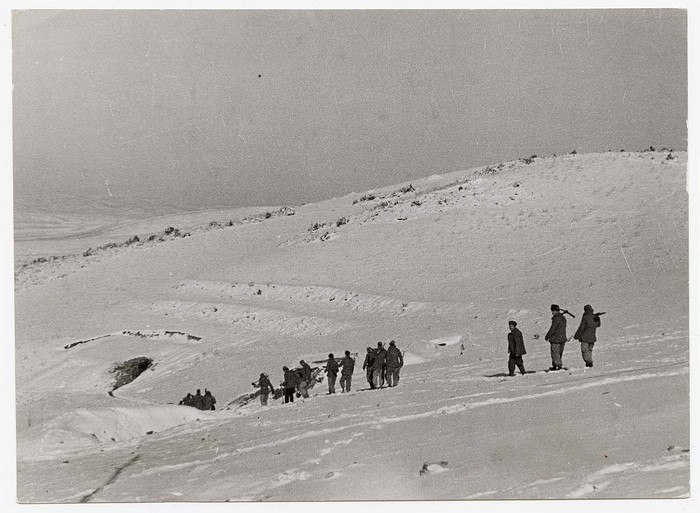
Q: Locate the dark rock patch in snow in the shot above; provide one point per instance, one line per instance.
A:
(129, 370)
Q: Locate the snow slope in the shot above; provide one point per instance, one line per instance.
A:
(440, 267)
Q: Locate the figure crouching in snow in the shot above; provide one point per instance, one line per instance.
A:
(208, 400)
(516, 349)
(586, 333)
(306, 378)
(198, 400)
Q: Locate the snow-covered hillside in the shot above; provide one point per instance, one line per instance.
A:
(439, 265)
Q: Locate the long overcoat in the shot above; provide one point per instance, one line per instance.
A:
(586, 330)
(516, 346)
(557, 332)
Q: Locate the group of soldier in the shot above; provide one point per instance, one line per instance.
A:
(199, 401)
(296, 381)
(556, 336)
(381, 365)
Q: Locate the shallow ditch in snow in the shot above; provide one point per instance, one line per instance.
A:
(178, 336)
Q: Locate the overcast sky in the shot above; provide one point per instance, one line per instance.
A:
(185, 110)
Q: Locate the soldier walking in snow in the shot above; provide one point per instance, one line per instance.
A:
(332, 372)
(305, 380)
(378, 365)
(516, 349)
(556, 336)
(394, 362)
(265, 388)
(348, 365)
(586, 333)
(367, 365)
(289, 384)
(208, 400)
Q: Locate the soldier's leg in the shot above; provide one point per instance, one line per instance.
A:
(263, 399)
(348, 382)
(561, 354)
(377, 378)
(511, 365)
(556, 355)
(520, 364)
(397, 371)
(342, 382)
(587, 353)
(389, 377)
(303, 389)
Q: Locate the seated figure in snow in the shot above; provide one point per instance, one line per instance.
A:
(208, 400)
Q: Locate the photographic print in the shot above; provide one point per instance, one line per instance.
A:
(350, 255)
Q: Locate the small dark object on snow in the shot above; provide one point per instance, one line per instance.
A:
(433, 468)
(149, 432)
